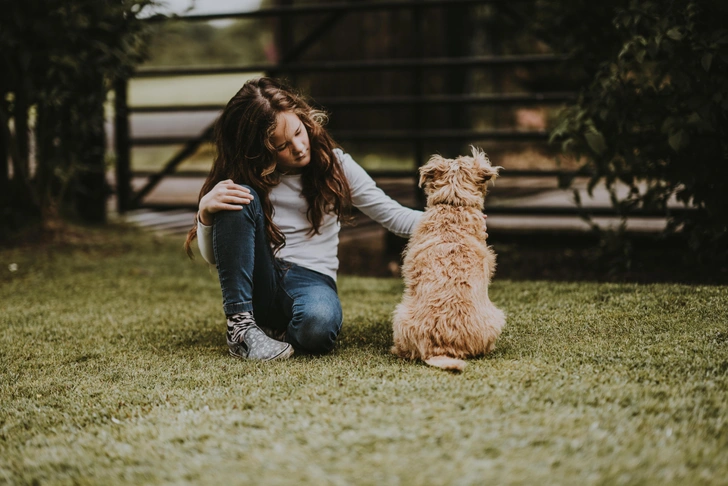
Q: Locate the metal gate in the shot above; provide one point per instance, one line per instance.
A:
(290, 64)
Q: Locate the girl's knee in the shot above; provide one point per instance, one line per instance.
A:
(247, 211)
(317, 328)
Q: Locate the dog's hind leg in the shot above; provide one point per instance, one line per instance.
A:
(446, 363)
(402, 327)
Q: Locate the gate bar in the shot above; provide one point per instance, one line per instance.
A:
(390, 136)
(345, 7)
(377, 101)
(472, 61)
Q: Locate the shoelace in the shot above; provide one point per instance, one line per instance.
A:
(241, 323)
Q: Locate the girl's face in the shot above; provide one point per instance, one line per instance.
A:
(290, 140)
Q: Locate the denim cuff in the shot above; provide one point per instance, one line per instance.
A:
(237, 308)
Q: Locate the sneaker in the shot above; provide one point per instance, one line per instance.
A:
(246, 340)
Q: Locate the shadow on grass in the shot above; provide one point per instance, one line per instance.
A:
(564, 257)
(582, 257)
(204, 338)
(181, 339)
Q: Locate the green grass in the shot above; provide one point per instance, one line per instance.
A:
(115, 370)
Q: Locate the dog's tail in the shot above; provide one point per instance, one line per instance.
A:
(446, 363)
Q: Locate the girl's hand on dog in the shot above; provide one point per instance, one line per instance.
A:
(225, 196)
(485, 216)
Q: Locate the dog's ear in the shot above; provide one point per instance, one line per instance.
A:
(431, 170)
(485, 171)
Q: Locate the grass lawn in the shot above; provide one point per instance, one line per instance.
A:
(114, 370)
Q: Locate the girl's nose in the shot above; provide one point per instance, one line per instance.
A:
(298, 147)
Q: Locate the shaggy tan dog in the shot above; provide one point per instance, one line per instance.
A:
(445, 314)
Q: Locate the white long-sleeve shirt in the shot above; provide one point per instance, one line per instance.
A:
(319, 252)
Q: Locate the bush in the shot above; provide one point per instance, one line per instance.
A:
(58, 59)
(655, 114)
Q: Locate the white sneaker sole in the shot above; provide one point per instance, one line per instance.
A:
(285, 354)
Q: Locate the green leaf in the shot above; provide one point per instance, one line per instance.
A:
(679, 140)
(707, 60)
(653, 48)
(565, 180)
(590, 186)
(577, 197)
(694, 119)
(675, 34)
(668, 124)
(596, 142)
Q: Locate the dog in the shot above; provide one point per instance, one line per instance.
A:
(445, 314)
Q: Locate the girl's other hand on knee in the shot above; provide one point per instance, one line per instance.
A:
(225, 196)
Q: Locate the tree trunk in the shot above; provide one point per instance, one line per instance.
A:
(4, 153)
(48, 159)
(23, 205)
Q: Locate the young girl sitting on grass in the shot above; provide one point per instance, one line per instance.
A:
(269, 218)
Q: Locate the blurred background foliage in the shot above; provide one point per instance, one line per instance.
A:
(237, 43)
(59, 59)
(653, 113)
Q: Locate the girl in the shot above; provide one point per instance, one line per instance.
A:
(269, 218)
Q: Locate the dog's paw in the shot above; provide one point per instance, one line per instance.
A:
(398, 352)
(491, 347)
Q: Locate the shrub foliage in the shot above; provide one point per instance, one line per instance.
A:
(654, 115)
(58, 59)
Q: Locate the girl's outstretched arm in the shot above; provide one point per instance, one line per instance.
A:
(372, 201)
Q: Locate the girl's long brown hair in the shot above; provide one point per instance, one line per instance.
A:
(246, 155)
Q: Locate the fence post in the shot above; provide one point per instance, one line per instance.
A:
(394, 245)
(458, 33)
(417, 91)
(286, 39)
(122, 146)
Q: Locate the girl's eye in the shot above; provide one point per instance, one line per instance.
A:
(281, 149)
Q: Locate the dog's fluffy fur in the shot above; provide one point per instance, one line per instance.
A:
(445, 314)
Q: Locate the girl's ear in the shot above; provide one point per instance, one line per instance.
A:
(430, 170)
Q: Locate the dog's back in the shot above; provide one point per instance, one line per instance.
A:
(445, 311)
(448, 247)
(445, 314)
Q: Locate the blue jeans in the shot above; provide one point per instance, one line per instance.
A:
(283, 296)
